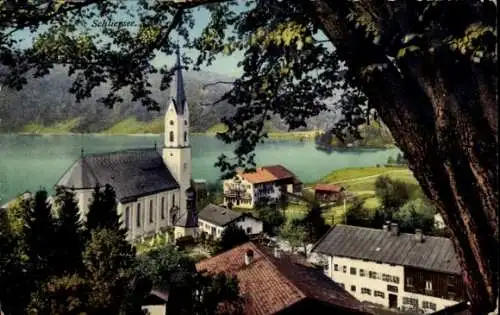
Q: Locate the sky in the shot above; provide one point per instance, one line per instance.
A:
(226, 65)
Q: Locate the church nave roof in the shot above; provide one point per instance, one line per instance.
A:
(132, 173)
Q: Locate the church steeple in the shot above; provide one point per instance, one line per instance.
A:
(178, 94)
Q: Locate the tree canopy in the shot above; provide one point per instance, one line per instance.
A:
(426, 68)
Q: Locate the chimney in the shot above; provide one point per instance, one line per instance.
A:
(248, 257)
(276, 252)
(394, 229)
(419, 236)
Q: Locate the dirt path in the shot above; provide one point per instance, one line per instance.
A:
(371, 176)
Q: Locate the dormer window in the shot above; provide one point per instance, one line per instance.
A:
(171, 123)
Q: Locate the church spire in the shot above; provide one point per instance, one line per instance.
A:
(177, 92)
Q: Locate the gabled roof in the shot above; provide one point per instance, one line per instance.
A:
(328, 187)
(178, 94)
(267, 174)
(132, 173)
(218, 215)
(271, 285)
(433, 254)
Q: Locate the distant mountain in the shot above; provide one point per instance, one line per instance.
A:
(45, 105)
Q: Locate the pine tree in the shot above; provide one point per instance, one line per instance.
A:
(102, 211)
(314, 224)
(39, 233)
(69, 238)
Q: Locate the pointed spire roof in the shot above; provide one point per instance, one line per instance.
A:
(177, 91)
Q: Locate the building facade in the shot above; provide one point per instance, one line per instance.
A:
(153, 188)
(267, 182)
(409, 272)
(213, 220)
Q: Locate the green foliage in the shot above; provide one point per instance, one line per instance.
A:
(102, 210)
(64, 295)
(217, 289)
(108, 263)
(165, 267)
(231, 237)
(392, 193)
(294, 233)
(314, 224)
(416, 214)
(271, 217)
(39, 235)
(69, 240)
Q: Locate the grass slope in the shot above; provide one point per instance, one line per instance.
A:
(361, 182)
(132, 126)
(60, 127)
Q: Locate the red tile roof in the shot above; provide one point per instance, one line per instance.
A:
(271, 284)
(328, 187)
(267, 174)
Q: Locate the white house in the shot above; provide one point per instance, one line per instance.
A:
(392, 269)
(153, 187)
(270, 182)
(213, 220)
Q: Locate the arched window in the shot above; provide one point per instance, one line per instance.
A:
(127, 217)
(171, 122)
(163, 208)
(151, 211)
(185, 122)
(173, 200)
(171, 136)
(185, 136)
(138, 215)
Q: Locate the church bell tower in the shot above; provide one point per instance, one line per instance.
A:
(177, 145)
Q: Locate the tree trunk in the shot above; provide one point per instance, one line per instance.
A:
(442, 114)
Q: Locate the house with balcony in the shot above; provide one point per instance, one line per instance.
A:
(328, 192)
(267, 182)
(412, 272)
(213, 220)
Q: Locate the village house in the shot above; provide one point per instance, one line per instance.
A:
(269, 182)
(213, 220)
(275, 283)
(328, 192)
(392, 269)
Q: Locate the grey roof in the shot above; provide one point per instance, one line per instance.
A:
(188, 219)
(218, 215)
(132, 173)
(434, 253)
(178, 93)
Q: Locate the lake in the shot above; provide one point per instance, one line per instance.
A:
(34, 162)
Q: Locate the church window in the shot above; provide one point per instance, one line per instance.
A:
(173, 200)
(171, 136)
(185, 166)
(185, 136)
(174, 218)
(163, 208)
(185, 122)
(151, 211)
(138, 215)
(171, 122)
(127, 217)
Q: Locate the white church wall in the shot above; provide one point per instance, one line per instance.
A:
(148, 226)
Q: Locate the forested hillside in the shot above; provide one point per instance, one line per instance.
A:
(45, 105)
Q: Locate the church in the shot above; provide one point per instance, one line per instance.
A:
(154, 188)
